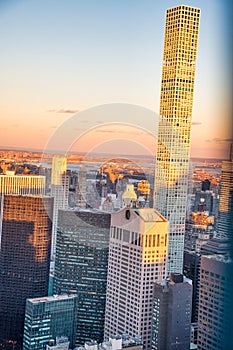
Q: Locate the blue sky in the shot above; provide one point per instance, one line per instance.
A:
(62, 56)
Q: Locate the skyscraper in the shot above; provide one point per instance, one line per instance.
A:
(81, 267)
(25, 244)
(47, 318)
(59, 190)
(172, 314)
(137, 258)
(176, 101)
(215, 303)
(22, 184)
(225, 213)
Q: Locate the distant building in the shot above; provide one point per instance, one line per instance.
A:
(175, 116)
(81, 188)
(215, 300)
(204, 202)
(22, 184)
(25, 245)
(225, 213)
(60, 191)
(137, 258)
(81, 267)
(172, 314)
(129, 196)
(47, 318)
(199, 228)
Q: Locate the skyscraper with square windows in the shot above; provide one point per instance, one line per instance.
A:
(25, 243)
(137, 259)
(175, 117)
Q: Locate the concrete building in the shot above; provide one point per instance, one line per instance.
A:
(215, 303)
(137, 258)
(47, 318)
(25, 244)
(172, 314)
(176, 101)
(81, 267)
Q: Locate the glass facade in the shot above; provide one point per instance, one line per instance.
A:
(81, 267)
(24, 259)
(49, 317)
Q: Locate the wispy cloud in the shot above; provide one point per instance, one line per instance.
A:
(219, 140)
(196, 123)
(114, 131)
(70, 111)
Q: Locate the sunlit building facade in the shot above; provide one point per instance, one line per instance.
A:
(137, 259)
(176, 101)
(25, 242)
(22, 184)
(60, 192)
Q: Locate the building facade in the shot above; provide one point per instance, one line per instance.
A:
(225, 213)
(176, 101)
(215, 303)
(24, 259)
(60, 192)
(137, 258)
(47, 318)
(22, 184)
(172, 314)
(81, 267)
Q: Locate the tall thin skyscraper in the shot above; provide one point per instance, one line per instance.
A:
(176, 101)
(137, 259)
(59, 190)
(25, 242)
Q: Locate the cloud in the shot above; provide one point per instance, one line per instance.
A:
(219, 140)
(71, 111)
(114, 131)
(196, 123)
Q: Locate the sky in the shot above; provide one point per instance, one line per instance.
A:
(61, 58)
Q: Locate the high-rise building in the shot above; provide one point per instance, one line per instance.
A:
(137, 258)
(172, 314)
(22, 184)
(215, 300)
(25, 244)
(47, 318)
(225, 213)
(176, 101)
(81, 267)
(81, 188)
(60, 191)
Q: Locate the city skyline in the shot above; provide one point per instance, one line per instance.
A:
(60, 59)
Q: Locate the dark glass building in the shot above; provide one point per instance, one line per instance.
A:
(24, 260)
(47, 318)
(81, 266)
(172, 314)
